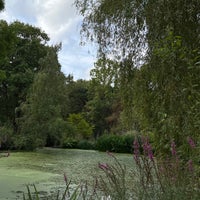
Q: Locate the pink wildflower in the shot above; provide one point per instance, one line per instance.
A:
(190, 165)
(191, 142)
(103, 166)
(147, 148)
(173, 148)
(65, 178)
(136, 151)
(150, 152)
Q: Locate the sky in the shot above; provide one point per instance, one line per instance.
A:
(59, 19)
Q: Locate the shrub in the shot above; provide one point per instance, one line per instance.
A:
(106, 143)
(115, 143)
(6, 134)
(127, 141)
(27, 142)
(85, 144)
(70, 143)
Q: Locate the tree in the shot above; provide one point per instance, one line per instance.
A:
(126, 28)
(77, 96)
(173, 92)
(105, 77)
(117, 26)
(161, 40)
(99, 106)
(22, 46)
(2, 4)
(41, 119)
(82, 129)
(105, 72)
(127, 76)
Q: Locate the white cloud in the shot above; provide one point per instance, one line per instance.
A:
(58, 17)
(78, 63)
(59, 20)
(19, 10)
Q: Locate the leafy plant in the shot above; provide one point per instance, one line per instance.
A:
(82, 128)
(151, 178)
(113, 184)
(115, 143)
(85, 144)
(70, 143)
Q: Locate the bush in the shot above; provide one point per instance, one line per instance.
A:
(70, 143)
(27, 143)
(85, 144)
(115, 143)
(6, 134)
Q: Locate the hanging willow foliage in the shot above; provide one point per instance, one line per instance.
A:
(161, 40)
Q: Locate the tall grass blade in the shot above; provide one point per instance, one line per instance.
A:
(36, 192)
(75, 194)
(66, 190)
(29, 193)
(24, 198)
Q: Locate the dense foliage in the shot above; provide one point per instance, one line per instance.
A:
(1, 5)
(146, 77)
(39, 105)
(36, 98)
(154, 46)
(22, 46)
(116, 143)
(146, 80)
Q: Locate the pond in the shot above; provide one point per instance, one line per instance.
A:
(45, 168)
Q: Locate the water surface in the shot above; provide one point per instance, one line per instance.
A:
(45, 168)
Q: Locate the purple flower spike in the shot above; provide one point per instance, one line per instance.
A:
(190, 166)
(173, 148)
(103, 166)
(150, 152)
(136, 151)
(191, 142)
(147, 148)
(65, 178)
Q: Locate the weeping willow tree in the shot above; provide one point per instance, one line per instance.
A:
(159, 39)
